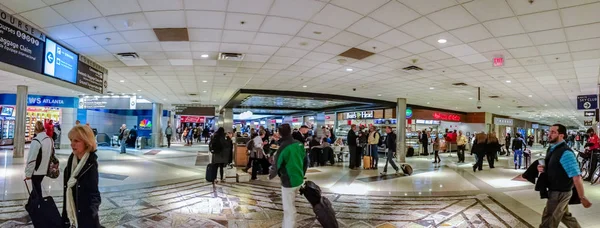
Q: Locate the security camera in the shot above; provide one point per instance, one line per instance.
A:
(478, 104)
(353, 89)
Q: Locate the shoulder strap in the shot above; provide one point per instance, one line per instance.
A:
(38, 159)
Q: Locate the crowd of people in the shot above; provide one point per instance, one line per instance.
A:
(189, 134)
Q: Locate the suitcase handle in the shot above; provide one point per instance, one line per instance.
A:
(27, 186)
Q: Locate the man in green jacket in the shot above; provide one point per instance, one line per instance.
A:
(290, 165)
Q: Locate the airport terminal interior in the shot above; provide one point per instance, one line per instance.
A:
(359, 82)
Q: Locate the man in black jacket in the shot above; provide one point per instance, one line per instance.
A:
(301, 134)
(390, 144)
(354, 156)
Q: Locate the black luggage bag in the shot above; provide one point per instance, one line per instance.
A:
(321, 206)
(42, 211)
(211, 172)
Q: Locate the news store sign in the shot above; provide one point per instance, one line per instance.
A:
(20, 48)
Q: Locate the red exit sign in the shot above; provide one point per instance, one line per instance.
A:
(498, 62)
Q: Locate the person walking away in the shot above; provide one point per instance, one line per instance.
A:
(290, 166)
(257, 153)
(390, 144)
(206, 134)
(197, 131)
(461, 142)
(424, 142)
(190, 136)
(179, 132)
(220, 153)
(169, 133)
(373, 148)
(491, 149)
(593, 145)
(518, 144)
(123, 136)
(133, 135)
(353, 147)
(441, 146)
(81, 205)
(562, 171)
(479, 150)
(38, 159)
(507, 141)
(362, 143)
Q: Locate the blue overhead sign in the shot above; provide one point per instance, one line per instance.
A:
(40, 100)
(587, 102)
(60, 62)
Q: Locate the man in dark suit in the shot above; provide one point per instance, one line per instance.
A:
(352, 147)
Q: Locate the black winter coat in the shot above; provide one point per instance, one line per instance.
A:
(492, 148)
(85, 193)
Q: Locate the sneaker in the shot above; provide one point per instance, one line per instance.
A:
(383, 173)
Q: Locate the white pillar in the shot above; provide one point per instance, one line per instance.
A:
(227, 121)
(20, 121)
(156, 127)
(401, 129)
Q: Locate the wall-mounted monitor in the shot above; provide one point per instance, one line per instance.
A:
(60, 62)
(7, 111)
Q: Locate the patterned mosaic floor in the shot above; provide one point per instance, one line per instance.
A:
(194, 204)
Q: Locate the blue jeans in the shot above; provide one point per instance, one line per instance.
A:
(519, 157)
(374, 153)
(123, 145)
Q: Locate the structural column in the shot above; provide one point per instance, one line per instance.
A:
(401, 129)
(227, 122)
(20, 122)
(319, 122)
(157, 132)
(335, 122)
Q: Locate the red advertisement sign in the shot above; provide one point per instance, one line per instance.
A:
(446, 116)
(192, 119)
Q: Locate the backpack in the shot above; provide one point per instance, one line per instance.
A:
(250, 145)
(53, 163)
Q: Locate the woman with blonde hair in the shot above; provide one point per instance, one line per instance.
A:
(81, 195)
(491, 148)
(479, 150)
(38, 159)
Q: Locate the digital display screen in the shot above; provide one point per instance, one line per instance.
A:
(60, 62)
(7, 111)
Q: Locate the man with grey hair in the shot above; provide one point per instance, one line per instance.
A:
(123, 136)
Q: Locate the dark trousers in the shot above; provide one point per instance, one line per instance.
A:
(353, 157)
(491, 158)
(461, 153)
(255, 168)
(436, 157)
(36, 182)
(425, 149)
(507, 149)
(168, 141)
(220, 166)
(373, 152)
(479, 164)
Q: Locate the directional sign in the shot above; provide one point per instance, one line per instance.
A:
(589, 113)
(587, 123)
(587, 102)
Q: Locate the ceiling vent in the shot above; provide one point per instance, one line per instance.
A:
(494, 97)
(172, 34)
(195, 101)
(459, 84)
(231, 56)
(128, 56)
(356, 53)
(412, 68)
(193, 94)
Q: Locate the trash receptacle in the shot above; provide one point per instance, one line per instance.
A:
(141, 143)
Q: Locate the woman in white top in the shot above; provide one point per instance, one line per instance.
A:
(257, 154)
(37, 166)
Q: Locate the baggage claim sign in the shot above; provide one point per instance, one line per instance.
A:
(20, 44)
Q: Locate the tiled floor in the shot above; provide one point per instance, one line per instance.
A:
(166, 189)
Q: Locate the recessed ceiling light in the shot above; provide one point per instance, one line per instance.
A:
(379, 95)
(431, 88)
(507, 81)
(545, 104)
(164, 99)
(442, 41)
(139, 96)
(139, 90)
(498, 106)
(304, 86)
(204, 81)
(204, 56)
(530, 96)
(215, 100)
(349, 69)
(427, 102)
(470, 98)
(122, 81)
(204, 91)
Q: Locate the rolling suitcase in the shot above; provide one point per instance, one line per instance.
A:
(211, 172)
(321, 206)
(407, 169)
(368, 160)
(42, 210)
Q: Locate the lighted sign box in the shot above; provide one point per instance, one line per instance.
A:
(59, 62)
(446, 116)
(360, 115)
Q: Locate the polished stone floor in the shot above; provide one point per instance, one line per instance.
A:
(166, 188)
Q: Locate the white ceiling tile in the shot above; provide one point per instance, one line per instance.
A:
(332, 48)
(583, 32)
(94, 26)
(583, 55)
(263, 50)
(235, 48)
(531, 61)
(486, 45)
(377, 59)
(126, 22)
(524, 7)
(348, 39)
(394, 14)
(23, 5)
(318, 32)
(96, 50)
(216, 5)
(81, 42)
(181, 62)
(139, 36)
(302, 10)
(44, 17)
(271, 39)
(541, 21)
(504, 27)
(515, 41)
(336, 17)
(156, 5)
(581, 14)
(395, 37)
(368, 27)
(451, 62)
(362, 7)
(452, 18)
(316, 56)
(568, 3)
(584, 45)
(427, 7)
(556, 58)
(179, 55)
(251, 22)
(146, 46)
(395, 53)
(550, 49)
(175, 46)
(281, 25)
(153, 55)
(459, 50)
(243, 37)
(548, 37)
(420, 28)
(303, 43)
(109, 38)
(166, 19)
(485, 10)
(524, 52)
(291, 52)
(119, 48)
(244, 6)
(417, 47)
(198, 56)
(112, 7)
(435, 55)
(374, 46)
(77, 10)
(283, 60)
(450, 40)
(205, 19)
(471, 33)
(65, 31)
(204, 34)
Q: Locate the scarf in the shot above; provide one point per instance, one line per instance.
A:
(75, 169)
